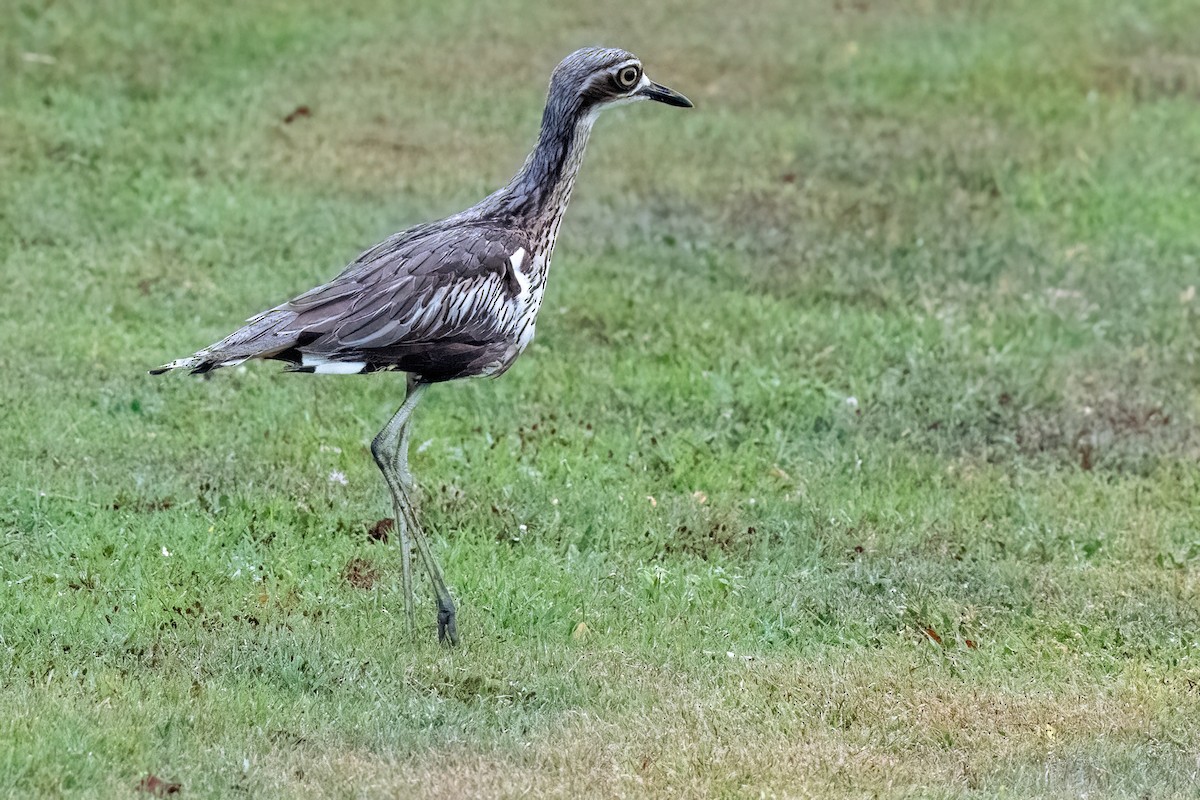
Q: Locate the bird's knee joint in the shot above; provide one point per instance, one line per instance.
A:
(378, 451)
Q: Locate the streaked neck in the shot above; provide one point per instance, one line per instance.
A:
(540, 191)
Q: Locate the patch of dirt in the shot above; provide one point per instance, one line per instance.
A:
(360, 573)
(152, 784)
(1088, 434)
(1152, 76)
(380, 531)
(700, 529)
(142, 505)
(1111, 432)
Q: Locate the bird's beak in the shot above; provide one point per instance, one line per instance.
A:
(656, 91)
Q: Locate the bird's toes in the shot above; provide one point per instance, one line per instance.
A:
(447, 629)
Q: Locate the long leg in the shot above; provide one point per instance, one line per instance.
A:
(389, 446)
(447, 629)
(390, 449)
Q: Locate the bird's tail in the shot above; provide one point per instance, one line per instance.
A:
(201, 362)
(261, 337)
(191, 362)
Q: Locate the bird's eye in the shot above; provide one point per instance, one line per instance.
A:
(628, 76)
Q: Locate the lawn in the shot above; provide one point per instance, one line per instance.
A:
(858, 454)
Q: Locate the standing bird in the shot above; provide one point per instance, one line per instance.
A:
(451, 299)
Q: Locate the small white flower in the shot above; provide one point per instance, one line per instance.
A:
(166, 553)
(337, 476)
(851, 402)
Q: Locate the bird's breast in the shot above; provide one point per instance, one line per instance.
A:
(527, 303)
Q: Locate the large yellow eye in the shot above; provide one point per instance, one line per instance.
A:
(628, 76)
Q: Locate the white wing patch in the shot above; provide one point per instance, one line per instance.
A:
(323, 366)
(517, 259)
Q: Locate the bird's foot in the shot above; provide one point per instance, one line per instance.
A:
(447, 630)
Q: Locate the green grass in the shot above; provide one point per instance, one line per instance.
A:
(687, 563)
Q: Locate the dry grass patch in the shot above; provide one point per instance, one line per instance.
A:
(878, 725)
(1152, 77)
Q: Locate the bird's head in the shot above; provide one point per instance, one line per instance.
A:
(598, 77)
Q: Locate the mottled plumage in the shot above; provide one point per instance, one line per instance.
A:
(445, 303)
(451, 299)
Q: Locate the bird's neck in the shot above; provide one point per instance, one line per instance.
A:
(539, 193)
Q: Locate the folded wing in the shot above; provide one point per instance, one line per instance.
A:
(437, 303)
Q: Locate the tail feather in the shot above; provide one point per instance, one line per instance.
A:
(191, 362)
(261, 337)
(200, 363)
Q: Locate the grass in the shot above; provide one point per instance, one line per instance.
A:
(856, 455)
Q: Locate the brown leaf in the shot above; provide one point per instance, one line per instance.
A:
(158, 787)
(297, 112)
(933, 635)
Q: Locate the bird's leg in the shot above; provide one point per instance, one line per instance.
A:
(406, 582)
(447, 630)
(400, 499)
(389, 449)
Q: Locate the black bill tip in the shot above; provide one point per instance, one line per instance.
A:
(656, 91)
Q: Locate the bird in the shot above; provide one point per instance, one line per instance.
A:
(456, 298)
